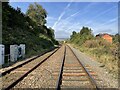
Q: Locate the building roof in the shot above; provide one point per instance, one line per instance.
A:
(100, 35)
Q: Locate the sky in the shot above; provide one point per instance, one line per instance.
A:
(66, 17)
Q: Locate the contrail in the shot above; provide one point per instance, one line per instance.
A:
(59, 18)
(62, 14)
(68, 5)
(101, 14)
(73, 26)
(110, 21)
(104, 24)
(85, 9)
(72, 15)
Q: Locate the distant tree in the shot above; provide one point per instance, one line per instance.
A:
(85, 31)
(84, 34)
(116, 38)
(18, 9)
(73, 34)
(37, 13)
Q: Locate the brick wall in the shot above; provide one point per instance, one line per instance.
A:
(108, 38)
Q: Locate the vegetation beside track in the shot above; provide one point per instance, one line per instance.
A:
(103, 51)
(29, 29)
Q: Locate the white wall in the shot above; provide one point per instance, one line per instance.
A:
(2, 52)
(13, 53)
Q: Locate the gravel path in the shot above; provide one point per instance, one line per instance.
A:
(43, 76)
(96, 66)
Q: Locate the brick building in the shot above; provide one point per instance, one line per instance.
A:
(105, 36)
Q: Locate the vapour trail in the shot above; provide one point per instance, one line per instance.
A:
(85, 10)
(62, 14)
(110, 21)
(101, 14)
(74, 25)
(70, 17)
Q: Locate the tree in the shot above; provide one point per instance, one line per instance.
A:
(19, 28)
(116, 38)
(85, 31)
(73, 34)
(51, 33)
(37, 14)
(84, 34)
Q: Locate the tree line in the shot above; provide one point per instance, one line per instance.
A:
(29, 28)
(86, 34)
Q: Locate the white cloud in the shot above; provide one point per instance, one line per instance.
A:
(64, 27)
(61, 34)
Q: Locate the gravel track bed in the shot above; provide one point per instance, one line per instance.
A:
(107, 80)
(76, 84)
(14, 75)
(42, 77)
(46, 75)
(73, 74)
(14, 65)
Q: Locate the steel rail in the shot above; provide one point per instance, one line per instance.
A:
(87, 72)
(59, 82)
(20, 65)
(24, 75)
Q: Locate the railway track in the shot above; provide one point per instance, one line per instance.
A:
(13, 76)
(73, 74)
(67, 72)
(24, 63)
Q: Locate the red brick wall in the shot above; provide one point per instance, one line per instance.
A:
(108, 38)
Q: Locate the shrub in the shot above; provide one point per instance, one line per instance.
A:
(103, 42)
(91, 43)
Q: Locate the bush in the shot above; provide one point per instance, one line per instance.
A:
(91, 44)
(103, 42)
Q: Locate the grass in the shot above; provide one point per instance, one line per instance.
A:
(102, 55)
